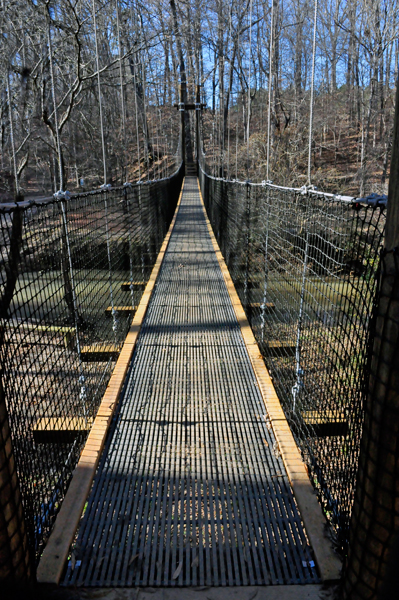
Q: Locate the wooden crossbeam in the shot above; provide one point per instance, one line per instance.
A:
(99, 352)
(280, 349)
(67, 333)
(121, 309)
(59, 430)
(125, 286)
(251, 285)
(269, 306)
(326, 423)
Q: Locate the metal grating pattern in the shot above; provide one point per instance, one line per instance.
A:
(191, 489)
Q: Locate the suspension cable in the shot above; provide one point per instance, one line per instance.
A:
(57, 132)
(312, 91)
(270, 90)
(14, 158)
(110, 282)
(99, 92)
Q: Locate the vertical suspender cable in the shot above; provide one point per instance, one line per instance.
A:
(113, 311)
(298, 385)
(83, 395)
(237, 141)
(141, 236)
(249, 85)
(137, 120)
(99, 93)
(147, 129)
(228, 111)
(124, 173)
(82, 379)
(57, 133)
(213, 149)
(270, 91)
(163, 173)
(312, 91)
(135, 65)
(14, 158)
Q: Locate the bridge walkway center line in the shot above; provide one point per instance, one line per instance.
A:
(195, 484)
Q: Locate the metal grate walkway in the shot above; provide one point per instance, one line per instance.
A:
(190, 489)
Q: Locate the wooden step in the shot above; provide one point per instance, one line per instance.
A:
(125, 286)
(99, 352)
(59, 430)
(269, 306)
(68, 334)
(251, 285)
(120, 309)
(280, 349)
(326, 423)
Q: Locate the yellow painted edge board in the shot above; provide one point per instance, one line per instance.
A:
(55, 554)
(327, 560)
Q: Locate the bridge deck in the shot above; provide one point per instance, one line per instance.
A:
(190, 489)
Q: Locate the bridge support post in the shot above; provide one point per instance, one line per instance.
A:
(373, 555)
(14, 555)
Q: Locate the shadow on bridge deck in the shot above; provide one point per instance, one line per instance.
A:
(200, 482)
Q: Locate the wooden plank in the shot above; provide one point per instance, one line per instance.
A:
(268, 307)
(125, 286)
(122, 309)
(68, 334)
(327, 560)
(326, 423)
(59, 430)
(55, 554)
(279, 349)
(251, 285)
(99, 352)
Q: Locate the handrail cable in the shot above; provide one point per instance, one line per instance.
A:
(372, 199)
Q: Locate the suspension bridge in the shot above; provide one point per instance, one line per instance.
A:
(159, 451)
(184, 369)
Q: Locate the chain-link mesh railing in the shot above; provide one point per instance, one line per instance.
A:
(371, 564)
(72, 272)
(304, 265)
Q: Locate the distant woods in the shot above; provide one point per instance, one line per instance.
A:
(153, 54)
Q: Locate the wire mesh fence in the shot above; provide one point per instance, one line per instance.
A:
(304, 265)
(370, 568)
(72, 274)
